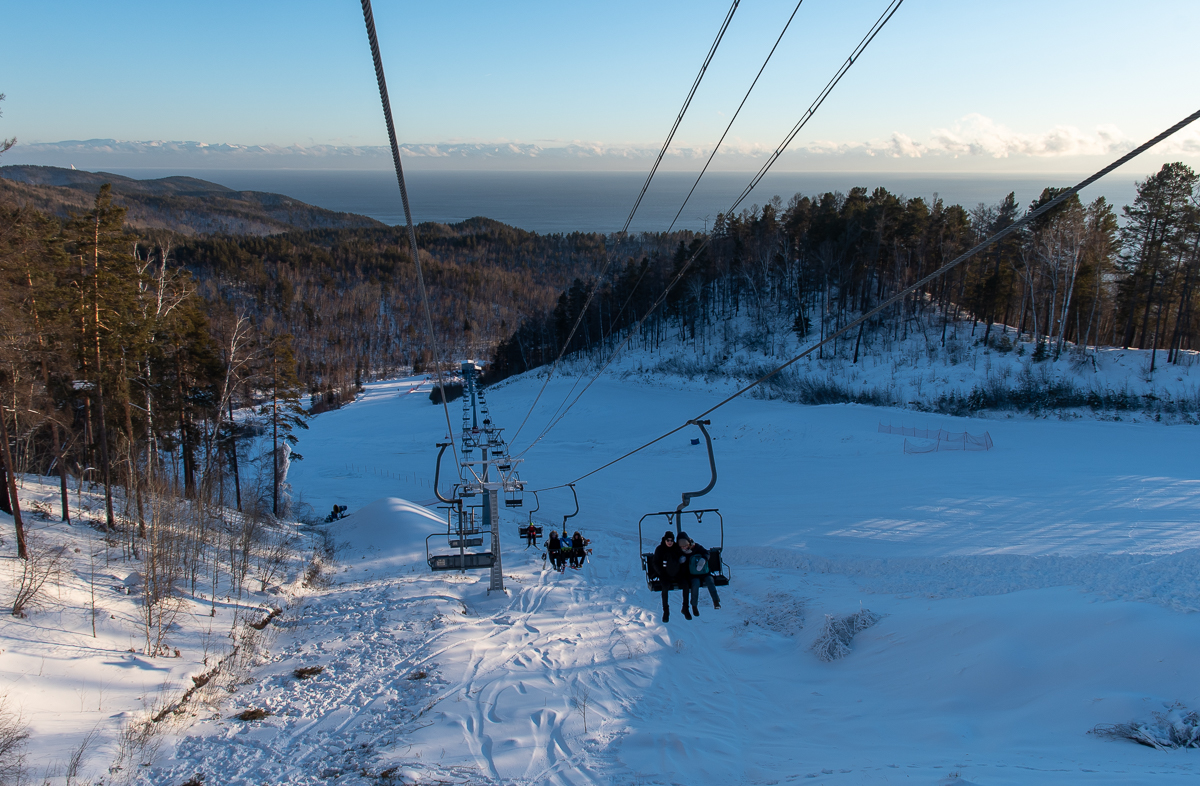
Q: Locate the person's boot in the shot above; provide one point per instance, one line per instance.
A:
(695, 611)
(686, 614)
(666, 615)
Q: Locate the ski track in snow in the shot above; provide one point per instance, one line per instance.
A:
(1020, 607)
(513, 670)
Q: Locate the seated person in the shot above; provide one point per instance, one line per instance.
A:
(554, 549)
(531, 535)
(670, 565)
(689, 549)
(578, 555)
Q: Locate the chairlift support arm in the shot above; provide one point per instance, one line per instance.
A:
(437, 473)
(537, 508)
(712, 463)
(576, 513)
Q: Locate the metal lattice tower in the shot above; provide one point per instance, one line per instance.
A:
(485, 469)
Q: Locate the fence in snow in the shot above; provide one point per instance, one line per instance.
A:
(942, 439)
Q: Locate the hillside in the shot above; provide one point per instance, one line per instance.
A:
(186, 205)
(1015, 610)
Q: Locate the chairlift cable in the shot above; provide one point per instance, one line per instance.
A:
(679, 119)
(858, 50)
(556, 417)
(610, 257)
(1003, 233)
(717, 147)
(369, 20)
(887, 14)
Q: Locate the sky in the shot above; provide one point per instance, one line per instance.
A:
(1021, 86)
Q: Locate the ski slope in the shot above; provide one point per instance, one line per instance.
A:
(1028, 594)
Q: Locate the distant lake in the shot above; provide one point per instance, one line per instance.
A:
(548, 202)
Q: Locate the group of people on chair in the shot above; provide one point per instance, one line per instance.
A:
(683, 562)
(562, 550)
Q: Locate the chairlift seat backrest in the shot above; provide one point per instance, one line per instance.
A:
(461, 561)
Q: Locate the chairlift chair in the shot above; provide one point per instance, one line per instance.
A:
(717, 568)
(523, 529)
(461, 532)
(514, 497)
(462, 537)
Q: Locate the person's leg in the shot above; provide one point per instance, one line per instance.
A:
(712, 591)
(666, 599)
(687, 592)
(695, 595)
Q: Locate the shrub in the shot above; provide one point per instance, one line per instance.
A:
(1178, 727)
(253, 715)
(835, 638)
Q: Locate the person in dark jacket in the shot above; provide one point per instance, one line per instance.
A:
(554, 550)
(689, 548)
(577, 550)
(668, 565)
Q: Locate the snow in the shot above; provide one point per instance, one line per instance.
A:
(1025, 595)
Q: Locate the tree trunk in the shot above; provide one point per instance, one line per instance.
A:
(237, 483)
(11, 485)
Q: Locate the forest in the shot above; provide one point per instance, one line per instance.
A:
(1076, 277)
(158, 365)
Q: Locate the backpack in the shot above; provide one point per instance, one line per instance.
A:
(698, 565)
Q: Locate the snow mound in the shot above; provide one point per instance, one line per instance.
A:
(386, 535)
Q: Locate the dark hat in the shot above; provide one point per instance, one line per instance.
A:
(682, 536)
(668, 534)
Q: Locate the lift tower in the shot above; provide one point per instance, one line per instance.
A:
(486, 472)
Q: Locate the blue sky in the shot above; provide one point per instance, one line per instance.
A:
(948, 86)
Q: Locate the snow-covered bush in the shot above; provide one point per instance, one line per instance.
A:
(1178, 727)
(780, 612)
(835, 638)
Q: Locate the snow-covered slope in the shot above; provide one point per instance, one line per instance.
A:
(1027, 594)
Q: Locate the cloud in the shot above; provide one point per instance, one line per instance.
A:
(981, 137)
(973, 137)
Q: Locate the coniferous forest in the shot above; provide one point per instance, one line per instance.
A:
(1082, 275)
(149, 361)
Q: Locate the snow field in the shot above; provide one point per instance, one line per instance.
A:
(1027, 594)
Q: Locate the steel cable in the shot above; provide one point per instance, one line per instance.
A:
(369, 20)
(1011, 228)
(717, 147)
(837, 77)
(645, 186)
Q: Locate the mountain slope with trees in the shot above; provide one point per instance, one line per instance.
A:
(185, 205)
(1074, 280)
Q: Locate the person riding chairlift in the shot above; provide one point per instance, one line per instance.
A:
(697, 567)
(578, 552)
(670, 565)
(554, 550)
(531, 535)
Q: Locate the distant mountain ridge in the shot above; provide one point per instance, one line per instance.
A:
(186, 205)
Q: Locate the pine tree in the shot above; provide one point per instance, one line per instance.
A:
(106, 287)
(283, 409)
